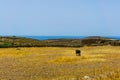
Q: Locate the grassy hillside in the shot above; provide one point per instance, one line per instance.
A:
(13, 41)
(55, 63)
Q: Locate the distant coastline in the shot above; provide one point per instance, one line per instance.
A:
(66, 37)
(54, 37)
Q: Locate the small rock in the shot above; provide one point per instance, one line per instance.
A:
(86, 78)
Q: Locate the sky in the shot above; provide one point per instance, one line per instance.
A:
(60, 17)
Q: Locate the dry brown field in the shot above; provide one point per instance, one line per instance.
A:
(60, 63)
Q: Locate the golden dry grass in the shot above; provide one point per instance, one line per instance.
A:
(54, 63)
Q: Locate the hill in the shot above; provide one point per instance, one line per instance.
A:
(13, 41)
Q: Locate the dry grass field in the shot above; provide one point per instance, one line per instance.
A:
(54, 63)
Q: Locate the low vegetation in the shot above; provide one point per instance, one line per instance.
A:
(60, 63)
(13, 41)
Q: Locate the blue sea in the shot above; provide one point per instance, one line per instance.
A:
(66, 37)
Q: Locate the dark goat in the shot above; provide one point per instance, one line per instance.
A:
(78, 53)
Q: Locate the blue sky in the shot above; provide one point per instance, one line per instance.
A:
(60, 17)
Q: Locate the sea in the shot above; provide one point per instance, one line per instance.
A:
(66, 37)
